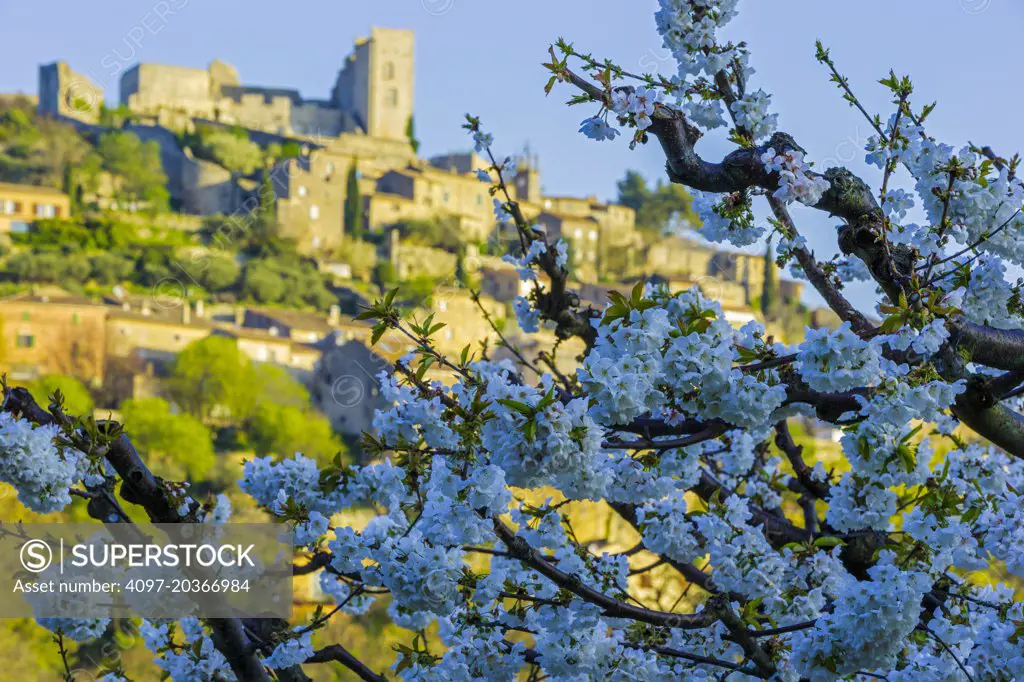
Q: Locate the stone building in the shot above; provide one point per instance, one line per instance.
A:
(63, 93)
(376, 83)
(415, 260)
(293, 324)
(346, 384)
(310, 199)
(602, 237)
(21, 205)
(677, 256)
(373, 94)
(52, 333)
(744, 269)
(463, 319)
(423, 192)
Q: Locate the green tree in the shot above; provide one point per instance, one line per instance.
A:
(410, 133)
(285, 429)
(360, 255)
(353, 213)
(771, 296)
(213, 380)
(441, 232)
(385, 275)
(238, 154)
(111, 267)
(177, 446)
(138, 166)
(657, 208)
(77, 399)
(263, 282)
(277, 385)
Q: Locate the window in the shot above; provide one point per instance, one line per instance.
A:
(447, 197)
(578, 234)
(442, 306)
(389, 71)
(302, 191)
(20, 227)
(314, 212)
(45, 210)
(392, 98)
(592, 236)
(26, 341)
(479, 200)
(329, 168)
(7, 207)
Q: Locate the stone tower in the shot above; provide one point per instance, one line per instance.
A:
(64, 93)
(376, 83)
(527, 179)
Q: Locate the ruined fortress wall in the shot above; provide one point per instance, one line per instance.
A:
(254, 110)
(207, 188)
(67, 94)
(150, 88)
(318, 121)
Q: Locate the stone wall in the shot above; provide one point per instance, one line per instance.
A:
(207, 189)
(64, 93)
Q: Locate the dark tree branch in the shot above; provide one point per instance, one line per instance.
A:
(520, 549)
(338, 653)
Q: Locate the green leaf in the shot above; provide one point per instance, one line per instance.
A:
(637, 294)
(522, 408)
(829, 541)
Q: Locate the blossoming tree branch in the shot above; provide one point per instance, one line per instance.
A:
(679, 423)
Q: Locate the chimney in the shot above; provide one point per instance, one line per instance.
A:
(186, 312)
(200, 309)
(145, 307)
(334, 318)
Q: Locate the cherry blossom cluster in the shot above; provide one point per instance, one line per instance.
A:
(796, 182)
(726, 219)
(768, 562)
(39, 469)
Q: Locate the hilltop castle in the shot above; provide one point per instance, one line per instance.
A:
(362, 130)
(372, 95)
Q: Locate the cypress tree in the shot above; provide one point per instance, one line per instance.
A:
(410, 132)
(353, 204)
(771, 297)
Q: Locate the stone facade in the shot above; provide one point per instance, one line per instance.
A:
(63, 93)
(373, 94)
(676, 256)
(746, 270)
(346, 387)
(423, 192)
(54, 333)
(310, 193)
(20, 205)
(376, 83)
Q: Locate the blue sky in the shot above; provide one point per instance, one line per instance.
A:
(484, 57)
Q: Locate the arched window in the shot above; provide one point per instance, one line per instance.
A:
(389, 71)
(392, 98)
